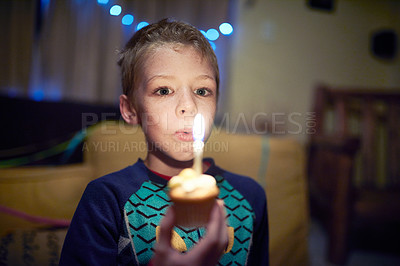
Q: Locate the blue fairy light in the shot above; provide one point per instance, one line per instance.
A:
(212, 34)
(127, 19)
(102, 2)
(115, 10)
(213, 45)
(226, 28)
(141, 25)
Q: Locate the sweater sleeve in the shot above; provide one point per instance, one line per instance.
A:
(92, 238)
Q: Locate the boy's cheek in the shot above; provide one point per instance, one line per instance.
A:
(148, 119)
(209, 122)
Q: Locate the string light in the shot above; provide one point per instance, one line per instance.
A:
(141, 25)
(115, 10)
(211, 34)
(226, 28)
(213, 45)
(127, 19)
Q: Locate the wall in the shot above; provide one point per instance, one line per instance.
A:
(282, 48)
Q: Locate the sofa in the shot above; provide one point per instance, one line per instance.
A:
(37, 203)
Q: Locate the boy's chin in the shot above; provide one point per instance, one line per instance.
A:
(183, 158)
(174, 158)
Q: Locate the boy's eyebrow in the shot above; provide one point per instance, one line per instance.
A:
(159, 76)
(204, 76)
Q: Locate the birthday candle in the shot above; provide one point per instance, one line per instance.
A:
(198, 143)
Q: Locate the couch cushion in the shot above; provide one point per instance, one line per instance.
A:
(287, 202)
(44, 192)
(278, 164)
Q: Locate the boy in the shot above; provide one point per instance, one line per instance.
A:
(169, 74)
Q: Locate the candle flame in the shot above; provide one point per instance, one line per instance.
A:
(199, 128)
(198, 144)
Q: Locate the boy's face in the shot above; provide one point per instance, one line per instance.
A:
(175, 84)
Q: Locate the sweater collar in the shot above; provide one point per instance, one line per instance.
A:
(163, 179)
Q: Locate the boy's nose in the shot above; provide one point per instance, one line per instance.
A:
(186, 105)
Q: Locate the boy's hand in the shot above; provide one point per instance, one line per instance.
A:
(207, 252)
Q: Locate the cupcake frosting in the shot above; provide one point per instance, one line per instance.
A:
(189, 184)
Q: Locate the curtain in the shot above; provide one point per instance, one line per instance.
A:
(72, 51)
(16, 39)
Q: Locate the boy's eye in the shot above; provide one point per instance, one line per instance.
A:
(202, 92)
(163, 91)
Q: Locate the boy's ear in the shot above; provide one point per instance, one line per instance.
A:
(128, 112)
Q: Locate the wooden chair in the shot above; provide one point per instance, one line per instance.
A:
(354, 162)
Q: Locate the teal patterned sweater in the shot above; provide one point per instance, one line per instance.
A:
(117, 218)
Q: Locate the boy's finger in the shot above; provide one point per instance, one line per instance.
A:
(166, 226)
(222, 226)
(211, 246)
(217, 223)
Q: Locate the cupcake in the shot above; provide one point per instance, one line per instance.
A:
(193, 197)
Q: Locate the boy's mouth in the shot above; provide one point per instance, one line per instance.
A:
(184, 135)
(185, 131)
